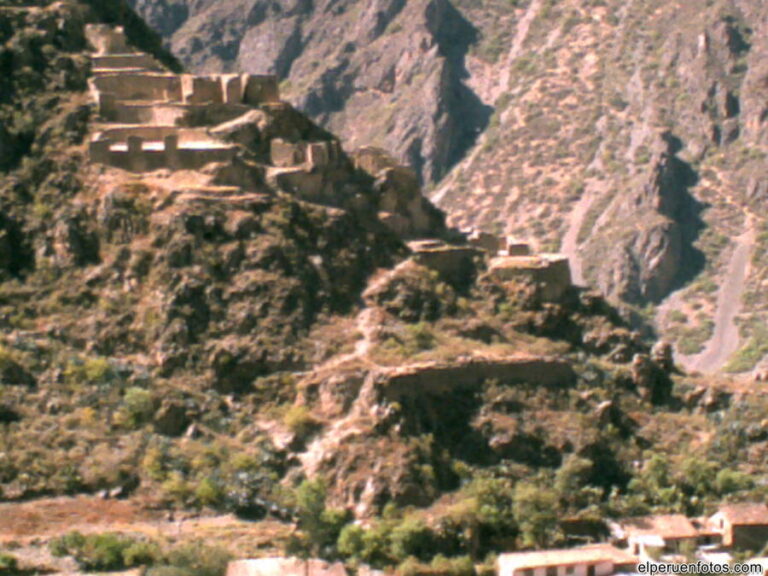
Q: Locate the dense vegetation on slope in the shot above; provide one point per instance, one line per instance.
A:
(627, 134)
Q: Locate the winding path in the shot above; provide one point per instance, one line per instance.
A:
(570, 242)
(725, 337)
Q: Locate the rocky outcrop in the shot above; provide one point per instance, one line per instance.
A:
(657, 256)
(401, 202)
(371, 408)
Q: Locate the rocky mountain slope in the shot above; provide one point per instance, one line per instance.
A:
(398, 65)
(210, 341)
(626, 134)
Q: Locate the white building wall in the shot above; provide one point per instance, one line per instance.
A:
(602, 569)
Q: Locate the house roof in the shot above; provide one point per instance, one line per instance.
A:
(668, 526)
(284, 567)
(583, 555)
(746, 514)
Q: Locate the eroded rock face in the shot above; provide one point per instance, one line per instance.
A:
(401, 204)
(652, 382)
(651, 260)
(437, 405)
(339, 59)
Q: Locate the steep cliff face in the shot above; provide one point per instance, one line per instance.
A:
(210, 335)
(627, 134)
(387, 73)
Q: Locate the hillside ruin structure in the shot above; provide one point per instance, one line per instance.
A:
(150, 118)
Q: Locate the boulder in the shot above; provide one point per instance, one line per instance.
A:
(12, 373)
(172, 418)
(8, 415)
(651, 381)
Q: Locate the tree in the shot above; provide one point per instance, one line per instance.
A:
(351, 541)
(411, 538)
(536, 510)
(655, 484)
(729, 481)
(572, 482)
(320, 526)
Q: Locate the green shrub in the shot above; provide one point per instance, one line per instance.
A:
(411, 538)
(461, 566)
(300, 421)
(90, 371)
(66, 544)
(422, 336)
(104, 552)
(195, 560)
(209, 493)
(410, 567)
(320, 526)
(137, 408)
(351, 541)
(8, 564)
(493, 498)
(177, 488)
(729, 481)
(142, 553)
(536, 512)
(376, 544)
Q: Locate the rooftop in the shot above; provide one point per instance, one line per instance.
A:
(664, 525)
(595, 553)
(748, 513)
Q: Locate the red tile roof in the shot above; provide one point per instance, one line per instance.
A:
(746, 514)
(668, 526)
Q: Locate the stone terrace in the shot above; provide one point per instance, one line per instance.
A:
(145, 113)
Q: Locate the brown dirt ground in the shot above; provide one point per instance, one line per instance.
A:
(40, 520)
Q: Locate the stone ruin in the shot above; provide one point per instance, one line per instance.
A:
(453, 263)
(551, 273)
(402, 206)
(497, 245)
(509, 259)
(513, 259)
(152, 119)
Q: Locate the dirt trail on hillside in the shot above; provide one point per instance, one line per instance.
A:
(570, 243)
(368, 324)
(725, 336)
(32, 524)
